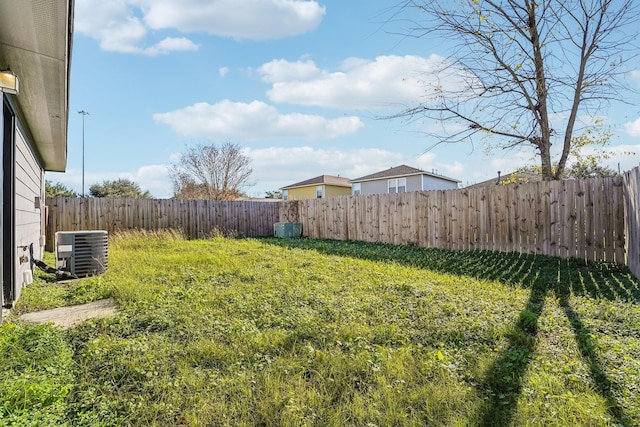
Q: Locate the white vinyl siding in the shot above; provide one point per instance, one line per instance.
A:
(435, 183)
(29, 217)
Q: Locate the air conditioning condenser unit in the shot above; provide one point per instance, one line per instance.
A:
(83, 253)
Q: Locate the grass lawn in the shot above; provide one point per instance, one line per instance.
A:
(295, 332)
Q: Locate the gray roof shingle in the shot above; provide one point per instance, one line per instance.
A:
(322, 179)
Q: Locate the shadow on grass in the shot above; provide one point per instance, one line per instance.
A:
(596, 280)
(588, 352)
(503, 383)
(541, 274)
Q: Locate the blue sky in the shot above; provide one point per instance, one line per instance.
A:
(300, 85)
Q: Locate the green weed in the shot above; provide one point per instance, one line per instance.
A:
(36, 375)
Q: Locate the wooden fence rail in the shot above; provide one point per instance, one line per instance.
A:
(584, 219)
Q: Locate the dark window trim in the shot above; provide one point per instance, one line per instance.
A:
(8, 236)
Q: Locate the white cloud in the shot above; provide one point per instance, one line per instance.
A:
(427, 161)
(125, 25)
(115, 24)
(280, 70)
(170, 44)
(111, 22)
(386, 81)
(255, 120)
(238, 19)
(633, 128)
(223, 71)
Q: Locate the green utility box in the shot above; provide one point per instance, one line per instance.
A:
(287, 229)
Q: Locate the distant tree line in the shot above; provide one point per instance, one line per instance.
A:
(118, 188)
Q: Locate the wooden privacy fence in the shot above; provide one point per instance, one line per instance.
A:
(632, 199)
(196, 218)
(584, 219)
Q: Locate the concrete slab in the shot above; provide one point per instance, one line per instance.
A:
(70, 316)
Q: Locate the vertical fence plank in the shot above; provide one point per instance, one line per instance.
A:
(598, 222)
(618, 220)
(499, 208)
(632, 219)
(569, 219)
(608, 217)
(483, 218)
(527, 214)
(580, 229)
(555, 216)
(441, 224)
(589, 187)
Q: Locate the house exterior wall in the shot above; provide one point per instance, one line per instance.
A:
(302, 193)
(29, 216)
(309, 192)
(414, 183)
(332, 191)
(433, 183)
(381, 186)
(374, 187)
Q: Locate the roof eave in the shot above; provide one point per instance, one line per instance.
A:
(445, 178)
(36, 43)
(291, 187)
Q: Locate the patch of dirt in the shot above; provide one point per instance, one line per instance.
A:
(70, 316)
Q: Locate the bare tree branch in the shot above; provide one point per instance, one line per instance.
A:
(524, 71)
(211, 172)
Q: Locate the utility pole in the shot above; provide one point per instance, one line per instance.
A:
(84, 113)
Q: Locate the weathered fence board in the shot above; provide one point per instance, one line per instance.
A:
(632, 215)
(596, 219)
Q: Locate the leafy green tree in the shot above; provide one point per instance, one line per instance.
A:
(522, 72)
(119, 188)
(588, 151)
(58, 190)
(588, 170)
(577, 170)
(273, 194)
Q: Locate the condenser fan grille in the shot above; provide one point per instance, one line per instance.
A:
(83, 253)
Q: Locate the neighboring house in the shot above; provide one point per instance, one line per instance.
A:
(35, 43)
(318, 187)
(518, 177)
(400, 179)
